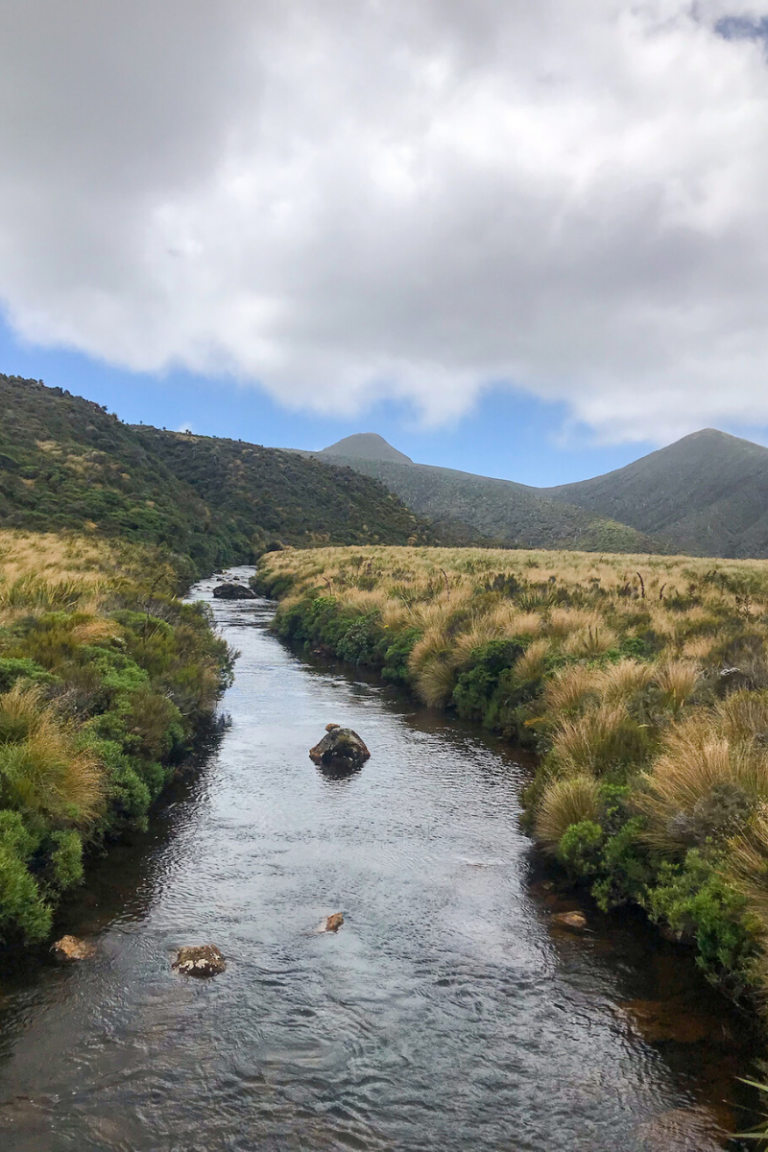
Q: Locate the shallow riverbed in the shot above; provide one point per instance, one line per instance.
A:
(447, 1013)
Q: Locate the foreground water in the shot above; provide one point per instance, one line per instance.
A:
(448, 1013)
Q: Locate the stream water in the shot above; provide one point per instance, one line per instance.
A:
(448, 1013)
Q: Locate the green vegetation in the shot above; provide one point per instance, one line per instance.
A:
(66, 463)
(705, 495)
(105, 677)
(641, 681)
(477, 509)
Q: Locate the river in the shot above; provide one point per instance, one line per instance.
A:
(448, 1013)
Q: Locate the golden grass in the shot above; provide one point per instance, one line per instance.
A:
(695, 761)
(48, 571)
(568, 800)
(532, 664)
(42, 768)
(598, 740)
(677, 680)
(569, 689)
(623, 680)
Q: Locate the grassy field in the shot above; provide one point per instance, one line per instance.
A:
(105, 676)
(642, 681)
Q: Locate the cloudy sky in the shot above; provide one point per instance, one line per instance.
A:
(471, 225)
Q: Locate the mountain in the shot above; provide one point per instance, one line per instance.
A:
(366, 446)
(707, 494)
(66, 462)
(502, 511)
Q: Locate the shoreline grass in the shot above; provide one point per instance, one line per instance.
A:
(641, 681)
(105, 678)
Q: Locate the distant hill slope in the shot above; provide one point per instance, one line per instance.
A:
(707, 494)
(365, 446)
(65, 462)
(504, 512)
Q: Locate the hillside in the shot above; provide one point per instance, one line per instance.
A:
(502, 511)
(707, 494)
(65, 462)
(366, 446)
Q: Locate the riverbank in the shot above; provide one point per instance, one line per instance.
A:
(641, 682)
(450, 1011)
(105, 679)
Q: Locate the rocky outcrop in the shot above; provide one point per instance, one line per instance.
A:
(201, 960)
(70, 948)
(340, 750)
(233, 592)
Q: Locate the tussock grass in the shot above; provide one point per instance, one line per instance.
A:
(623, 680)
(570, 688)
(698, 778)
(566, 801)
(43, 771)
(677, 680)
(533, 663)
(599, 740)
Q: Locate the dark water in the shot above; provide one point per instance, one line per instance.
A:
(448, 1013)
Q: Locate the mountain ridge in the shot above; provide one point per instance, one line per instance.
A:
(706, 494)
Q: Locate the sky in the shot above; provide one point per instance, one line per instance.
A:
(506, 239)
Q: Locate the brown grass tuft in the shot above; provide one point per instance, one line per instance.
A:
(566, 801)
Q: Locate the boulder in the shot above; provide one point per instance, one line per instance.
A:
(201, 960)
(572, 921)
(341, 750)
(69, 948)
(233, 592)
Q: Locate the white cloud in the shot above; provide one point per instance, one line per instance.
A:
(350, 200)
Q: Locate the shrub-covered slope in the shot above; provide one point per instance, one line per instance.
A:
(502, 511)
(707, 495)
(104, 679)
(66, 462)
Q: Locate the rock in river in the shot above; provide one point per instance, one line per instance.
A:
(340, 749)
(233, 592)
(70, 948)
(572, 921)
(202, 960)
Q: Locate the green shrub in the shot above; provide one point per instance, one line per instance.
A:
(580, 849)
(477, 686)
(67, 859)
(695, 900)
(24, 914)
(396, 656)
(14, 668)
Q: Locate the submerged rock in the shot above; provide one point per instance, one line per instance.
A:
(572, 921)
(69, 948)
(201, 960)
(683, 1130)
(233, 592)
(340, 749)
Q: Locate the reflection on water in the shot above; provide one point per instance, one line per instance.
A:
(447, 1013)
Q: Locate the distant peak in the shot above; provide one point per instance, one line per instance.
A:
(366, 446)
